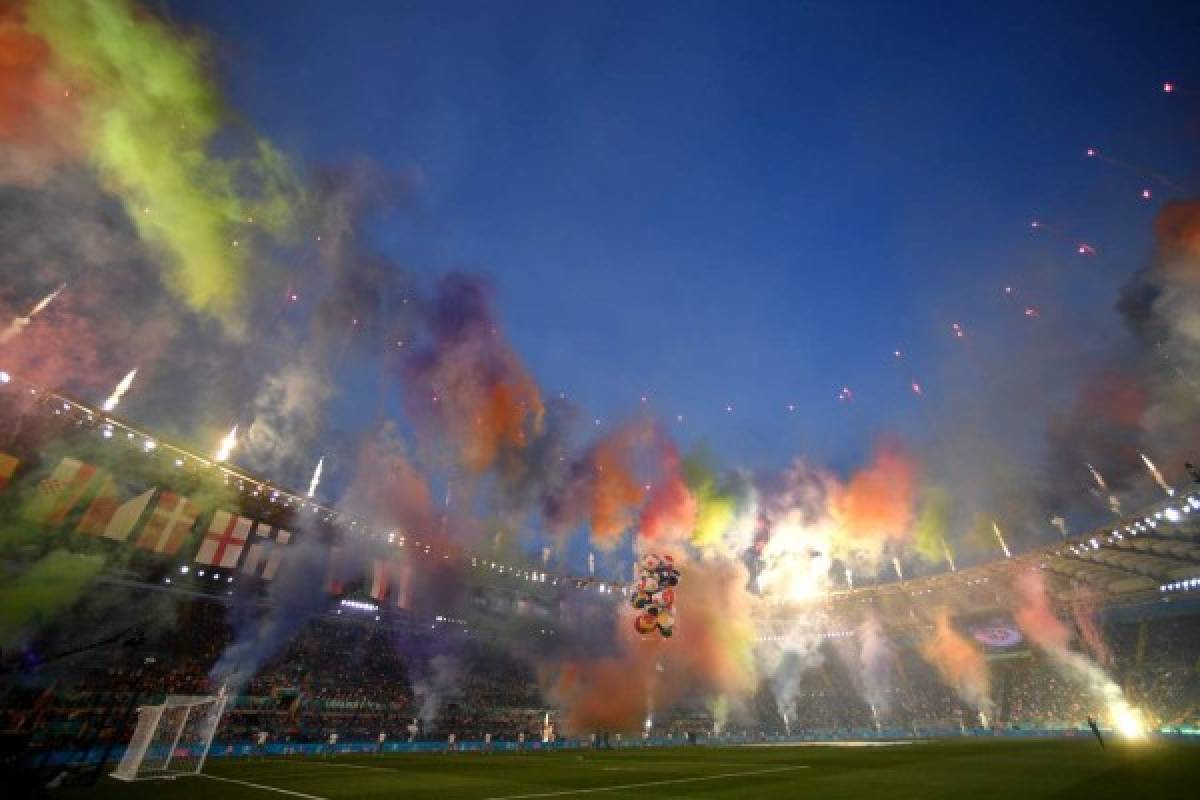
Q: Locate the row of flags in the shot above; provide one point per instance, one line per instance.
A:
(162, 522)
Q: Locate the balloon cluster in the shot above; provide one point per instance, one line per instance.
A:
(654, 595)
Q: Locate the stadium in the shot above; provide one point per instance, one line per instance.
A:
(534, 400)
(372, 672)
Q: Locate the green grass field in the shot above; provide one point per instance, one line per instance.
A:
(965, 770)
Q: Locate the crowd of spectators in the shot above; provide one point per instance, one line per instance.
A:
(358, 677)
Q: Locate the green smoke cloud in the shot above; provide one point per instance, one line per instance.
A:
(150, 118)
(52, 584)
(929, 536)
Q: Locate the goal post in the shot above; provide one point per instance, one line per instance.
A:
(172, 738)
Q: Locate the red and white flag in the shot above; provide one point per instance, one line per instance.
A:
(61, 491)
(380, 579)
(101, 509)
(170, 524)
(225, 540)
(391, 578)
(266, 552)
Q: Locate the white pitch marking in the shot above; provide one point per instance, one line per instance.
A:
(593, 790)
(321, 764)
(263, 786)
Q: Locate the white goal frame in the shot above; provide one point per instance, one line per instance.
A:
(172, 738)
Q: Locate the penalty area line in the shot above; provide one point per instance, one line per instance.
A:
(261, 786)
(593, 790)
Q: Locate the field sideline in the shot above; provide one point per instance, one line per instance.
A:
(965, 770)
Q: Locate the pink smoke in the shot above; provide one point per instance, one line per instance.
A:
(670, 512)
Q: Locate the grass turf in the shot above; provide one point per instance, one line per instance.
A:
(965, 770)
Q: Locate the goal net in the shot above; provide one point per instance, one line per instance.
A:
(171, 739)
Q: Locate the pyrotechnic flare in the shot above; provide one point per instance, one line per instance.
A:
(1000, 539)
(845, 395)
(20, 323)
(120, 391)
(1082, 248)
(1158, 477)
(316, 478)
(949, 557)
(1061, 524)
(227, 445)
(896, 566)
(1144, 172)
(1114, 504)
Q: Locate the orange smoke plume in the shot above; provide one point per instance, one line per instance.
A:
(615, 490)
(37, 111)
(508, 409)
(670, 512)
(878, 501)
(959, 662)
(710, 654)
(1177, 229)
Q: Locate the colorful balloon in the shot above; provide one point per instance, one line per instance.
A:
(654, 595)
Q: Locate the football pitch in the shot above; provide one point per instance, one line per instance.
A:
(965, 770)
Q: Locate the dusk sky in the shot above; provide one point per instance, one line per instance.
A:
(751, 204)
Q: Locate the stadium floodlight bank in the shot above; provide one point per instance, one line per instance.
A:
(171, 739)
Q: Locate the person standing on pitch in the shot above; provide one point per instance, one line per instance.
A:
(487, 743)
(521, 742)
(332, 744)
(1096, 732)
(382, 739)
(260, 743)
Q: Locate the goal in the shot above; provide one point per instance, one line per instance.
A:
(171, 739)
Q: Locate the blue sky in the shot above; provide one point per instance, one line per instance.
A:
(750, 203)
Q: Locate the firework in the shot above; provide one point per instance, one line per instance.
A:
(316, 478)
(1141, 171)
(896, 566)
(845, 395)
(1081, 247)
(1158, 477)
(1114, 504)
(1060, 524)
(20, 323)
(120, 390)
(1000, 539)
(949, 557)
(227, 444)
(957, 329)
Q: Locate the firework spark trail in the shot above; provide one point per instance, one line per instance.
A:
(1114, 504)
(1158, 477)
(20, 323)
(1137, 169)
(225, 449)
(1060, 524)
(120, 390)
(1000, 539)
(316, 478)
(949, 557)
(1081, 247)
